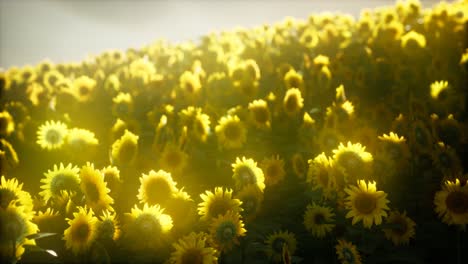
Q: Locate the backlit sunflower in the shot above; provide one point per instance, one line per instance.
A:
(183, 211)
(347, 252)
(156, 188)
(112, 178)
(8, 156)
(273, 169)
(51, 78)
(260, 113)
(319, 220)
(396, 148)
(82, 231)
(79, 140)
(320, 176)
(94, 188)
(7, 125)
(218, 203)
(246, 172)
(328, 139)
(451, 203)
(438, 89)
(401, 228)
(365, 203)
(197, 123)
(420, 138)
(189, 83)
(83, 88)
(293, 79)
(299, 165)
(293, 101)
(108, 227)
(193, 248)
(413, 40)
(276, 242)
(51, 135)
(122, 105)
(226, 230)
(124, 150)
(11, 191)
(353, 160)
(252, 198)
(60, 179)
(446, 159)
(49, 221)
(173, 159)
(147, 227)
(231, 132)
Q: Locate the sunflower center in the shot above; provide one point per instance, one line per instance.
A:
(249, 205)
(53, 137)
(261, 115)
(81, 232)
(192, 256)
(365, 203)
(348, 255)
(457, 202)
(157, 190)
(278, 244)
(14, 228)
(247, 175)
(147, 224)
(319, 219)
(394, 151)
(226, 232)
(173, 159)
(294, 82)
(351, 161)
(6, 196)
(127, 151)
(323, 177)
(189, 87)
(92, 192)
(400, 226)
(272, 171)
(218, 207)
(106, 230)
(62, 182)
(84, 90)
(292, 103)
(420, 136)
(232, 131)
(445, 160)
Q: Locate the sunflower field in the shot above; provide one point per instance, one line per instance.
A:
(332, 139)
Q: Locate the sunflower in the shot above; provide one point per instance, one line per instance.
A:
(189, 83)
(260, 113)
(83, 88)
(124, 150)
(353, 160)
(82, 231)
(49, 220)
(420, 137)
(197, 123)
(51, 78)
(451, 203)
(122, 106)
(183, 211)
(299, 165)
(252, 198)
(273, 169)
(112, 178)
(339, 115)
(8, 156)
(18, 111)
(276, 242)
(396, 148)
(401, 228)
(173, 158)
(147, 227)
(193, 248)
(11, 191)
(15, 226)
(347, 252)
(231, 132)
(293, 101)
(156, 188)
(51, 135)
(365, 203)
(293, 79)
(319, 220)
(319, 174)
(108, 227)
(439, 89)
(94, 188)
(218, 203)
(60, 179)
(445, 159)
(226, 230)
(413, 40)
(7, 125)
(78, 139)
(328, 139)
(247, 172)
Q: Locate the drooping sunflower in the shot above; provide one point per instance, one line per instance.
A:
(246, 172)
(112, 178)
(156, 188)
(319, 220)
(82, 231)
(320, 175)
(273, 169)
(276, 244)
(251, 197)
(147, 227)
(347, 252)
(60, 179)
(365, 203)
(193, 248)
(353, 159)
(94, 188)
(51, 135)
(293, 101)
(11, 191)
(124, 150)
(108, 227)
(451, 203)
(173, 159)
(226, 230)
(218, 203)
(260, 113)
(401, 228)
(7, 125)
(231, 132)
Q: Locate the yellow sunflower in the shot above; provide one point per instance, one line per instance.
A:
(60, 179)
(108, 227)
(401, 228)
(83, 88)
(51, 135)
(7, 125)
(438, 89)
(94, 188)
(79, 141)
(156, 188)
(11, 191)
(365, 203)
(328, 139)
(49, 221)
(413, 40)
(147, 227)
(446, 159)
(122, 106)
(8, 156)
(252, 198)
(183, 211)
(320, 175)
(396, 148)
(420, 137)
(451, 203)
(197, 123)
(217, 203)
(347, 252)
(231, 132)
(353, 160)
(273, 169)
(276, 242)
(189, 83)
(82, 231)
(226, 230)
(51, 78)
(124, 150)
(293, 101)
(260, 113)
(246, 172)
(319, 220)
(299, 165)
(173, 158)
(112, 178)
(193, 248)
(292, 79)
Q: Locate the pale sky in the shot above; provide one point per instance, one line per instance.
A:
(69, 30)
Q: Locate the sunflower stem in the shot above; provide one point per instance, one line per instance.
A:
(458, 246)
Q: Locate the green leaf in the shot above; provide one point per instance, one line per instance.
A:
(40, 235)
(34, 248)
